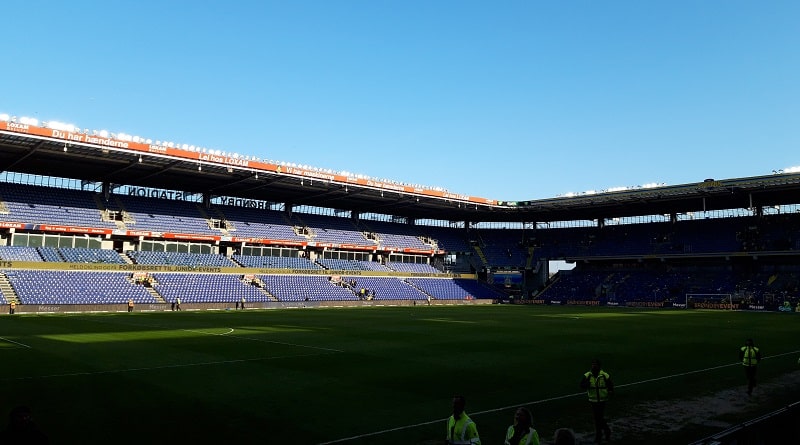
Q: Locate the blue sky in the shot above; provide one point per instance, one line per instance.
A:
(510, 100)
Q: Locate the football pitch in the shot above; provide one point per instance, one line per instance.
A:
(377, 375)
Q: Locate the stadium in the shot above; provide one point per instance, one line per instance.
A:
(167, 292)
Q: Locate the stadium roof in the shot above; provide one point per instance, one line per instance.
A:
(48, 156)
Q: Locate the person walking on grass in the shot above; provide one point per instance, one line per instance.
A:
(599, 387)
(750, 355)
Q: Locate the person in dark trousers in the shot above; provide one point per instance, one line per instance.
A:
(599, 387)
(130, 304)
(178, 304)
(12, 307)
(750, 355)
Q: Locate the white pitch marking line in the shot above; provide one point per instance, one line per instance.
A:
(475, 413)
(15, 342)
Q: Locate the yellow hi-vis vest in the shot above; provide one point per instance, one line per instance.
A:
(749, 355)
(462, 431)
(597, 392)
(530, 438)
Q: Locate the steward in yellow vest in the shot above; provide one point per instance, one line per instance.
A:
(598, 386)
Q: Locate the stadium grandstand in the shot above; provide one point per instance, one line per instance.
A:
(112, 218)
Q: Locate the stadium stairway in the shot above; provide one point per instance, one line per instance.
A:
(7, 289)
(529, 262)
(481, 255)
(150, 289)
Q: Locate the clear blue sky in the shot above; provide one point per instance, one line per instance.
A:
(508, 100)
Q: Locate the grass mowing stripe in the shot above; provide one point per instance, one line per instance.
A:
(155, 368)
(537, 402)
(219, 335)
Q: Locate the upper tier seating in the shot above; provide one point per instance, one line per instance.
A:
(329, 229)
(397, 236)
(160, 215)
(447, 239)
(257, 223)
(45, 205)
(502, 247)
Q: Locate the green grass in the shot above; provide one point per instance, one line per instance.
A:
(310, 376)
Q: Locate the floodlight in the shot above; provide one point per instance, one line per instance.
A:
(104, 133)
(199, 167)
(65, 147)
(256, 175)
(140, 158)
(4, 117)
